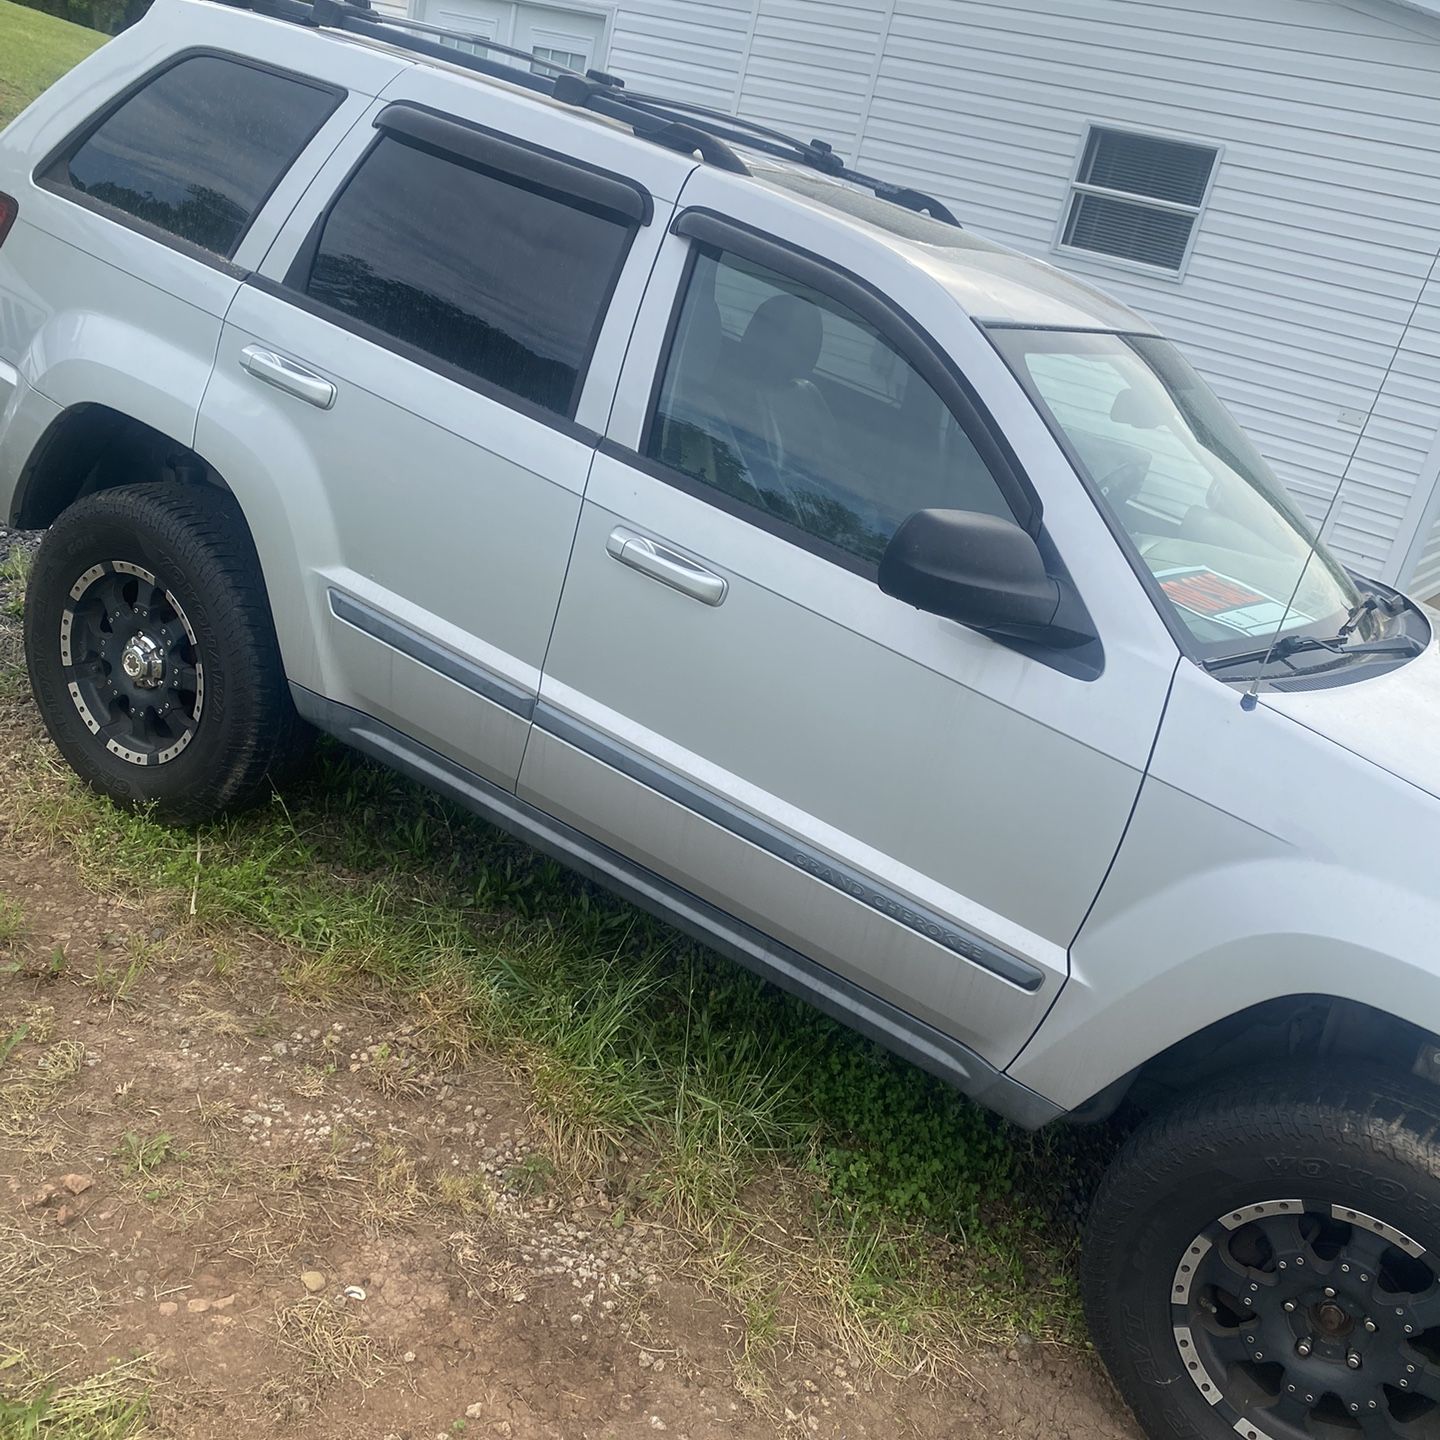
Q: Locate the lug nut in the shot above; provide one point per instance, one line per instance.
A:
(1289, 1307)
(1369, 1324)
(1329, 1292)
(1302, 1349)
(1353, 1359)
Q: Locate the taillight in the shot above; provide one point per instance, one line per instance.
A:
(9, 209)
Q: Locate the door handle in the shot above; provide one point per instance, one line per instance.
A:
(286, 375)
(667, 566)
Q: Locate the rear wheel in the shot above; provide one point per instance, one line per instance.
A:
(152, 653)
(1265, 1261)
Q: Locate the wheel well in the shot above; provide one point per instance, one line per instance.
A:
(1294, 1027)
(92, 447)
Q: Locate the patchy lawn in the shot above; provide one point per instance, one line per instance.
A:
(591, 1180)
(35, 51)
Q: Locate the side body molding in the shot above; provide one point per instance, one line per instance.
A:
(916, 1041)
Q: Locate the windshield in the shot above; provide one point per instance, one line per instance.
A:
(1224, 542)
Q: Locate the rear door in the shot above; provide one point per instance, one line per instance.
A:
(411, 387)
(729, 698)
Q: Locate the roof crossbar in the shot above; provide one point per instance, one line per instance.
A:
(676, 124)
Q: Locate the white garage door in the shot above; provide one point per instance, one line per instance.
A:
(572, 37)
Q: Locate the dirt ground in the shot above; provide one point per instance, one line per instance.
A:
(294, 1229)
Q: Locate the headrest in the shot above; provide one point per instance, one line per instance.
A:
(782, 340)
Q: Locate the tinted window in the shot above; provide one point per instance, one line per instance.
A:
(502, 280)
(199, 148)
(777, 395)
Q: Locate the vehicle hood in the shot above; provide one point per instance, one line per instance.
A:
(1392, 720)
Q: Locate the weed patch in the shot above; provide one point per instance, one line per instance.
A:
(640, 1047)
(109, 1406)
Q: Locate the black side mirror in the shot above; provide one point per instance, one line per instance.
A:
(978, 569)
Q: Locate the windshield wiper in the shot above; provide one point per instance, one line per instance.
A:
(1339, 644)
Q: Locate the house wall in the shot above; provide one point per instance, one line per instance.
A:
(1320, 229)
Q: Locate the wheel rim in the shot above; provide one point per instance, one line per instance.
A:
(1300, 1319)
(131, 664)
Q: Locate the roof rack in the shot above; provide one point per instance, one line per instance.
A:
(676, 124)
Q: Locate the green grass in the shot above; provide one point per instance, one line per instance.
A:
(14, 573)
(731, 1102)
(109, 1406)
(35, 51)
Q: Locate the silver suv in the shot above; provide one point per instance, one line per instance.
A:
(900, 616)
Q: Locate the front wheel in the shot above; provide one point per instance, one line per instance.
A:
(1264, 1261)
(152, 653)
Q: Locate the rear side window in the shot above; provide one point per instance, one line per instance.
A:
(197, 150)
(782, 398)
(499, 279)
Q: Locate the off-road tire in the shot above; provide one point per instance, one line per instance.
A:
(1355, 1140)
(193, 539)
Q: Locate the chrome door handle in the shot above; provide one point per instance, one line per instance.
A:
(286, 375)
(667, 566)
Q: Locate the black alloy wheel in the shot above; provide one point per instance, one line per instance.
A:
(135, 674)
(1263, 1260)
(153, 655)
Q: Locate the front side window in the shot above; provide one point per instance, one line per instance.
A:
(1225, 543)
(197, 150)
(779, 397)
(502, 281)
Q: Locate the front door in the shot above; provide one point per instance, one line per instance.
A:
(730, 699)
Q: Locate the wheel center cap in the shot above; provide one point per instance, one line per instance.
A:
(1332, 1319)
(143, 662)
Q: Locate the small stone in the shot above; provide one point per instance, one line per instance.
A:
(474, 1412)
(168, 1308)
(77, 1184)
(222, 1304)
(656, 1423)
(409, 1357)
(313, 1281)
(1012, 1355)
(197, 1307)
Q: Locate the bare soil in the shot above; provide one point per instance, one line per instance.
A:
(300, 1231)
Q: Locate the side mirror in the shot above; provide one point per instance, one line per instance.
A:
(978, 569)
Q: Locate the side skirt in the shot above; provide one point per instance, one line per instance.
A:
(922, 1044)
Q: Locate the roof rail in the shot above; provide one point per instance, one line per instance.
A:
(676, 124)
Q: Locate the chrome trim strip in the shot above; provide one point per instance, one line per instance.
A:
(917, 1041)
(1243, 1216)
(889, 902)
(449, 663)
(1195, 1252)
(1398, 1238)
(1194, 1368)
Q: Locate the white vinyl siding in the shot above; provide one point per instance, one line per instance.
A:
(691, 49)
(1322, 220)
(1323, 217)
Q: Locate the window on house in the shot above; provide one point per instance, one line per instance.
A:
(1137, 197)
(489, 276)
(570, 59)
(198, 149)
